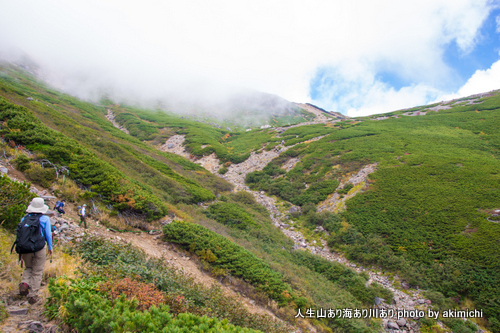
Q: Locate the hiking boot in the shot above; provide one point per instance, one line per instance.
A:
(24, 289)
(34, 299)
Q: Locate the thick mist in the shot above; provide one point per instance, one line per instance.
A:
(359, 57)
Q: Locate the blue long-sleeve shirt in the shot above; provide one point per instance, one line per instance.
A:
(45, 229)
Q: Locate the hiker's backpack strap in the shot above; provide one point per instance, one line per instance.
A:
(13, 245)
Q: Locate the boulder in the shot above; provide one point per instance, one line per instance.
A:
(401, 322)
(379, 300)
(35, 327)
(64, 226)
(392, 325)
(15, 311)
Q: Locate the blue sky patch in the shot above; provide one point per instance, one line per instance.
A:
(331, 89)
(484, 54)
(393, 79)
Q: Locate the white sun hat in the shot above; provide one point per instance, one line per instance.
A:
(37, 205)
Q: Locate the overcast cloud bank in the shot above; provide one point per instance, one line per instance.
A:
(335, 54)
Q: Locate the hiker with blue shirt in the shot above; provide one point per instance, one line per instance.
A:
(34, 261)
(59, 206)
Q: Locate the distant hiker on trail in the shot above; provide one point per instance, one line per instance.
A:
(82, 214)
(59, 207)
(33, 232)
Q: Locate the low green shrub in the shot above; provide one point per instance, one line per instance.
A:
(459, 325)
(80, 304)
(4, 314)
(22, 162)
(238, 261)
(14, 199)
(112, 260)
(223, 170)
(291, 188)
(230, 214)
(347, 187)
(245, 198)
(41, 175)
(345, 277)
(86, 168)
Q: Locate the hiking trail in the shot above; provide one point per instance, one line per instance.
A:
(404, 296)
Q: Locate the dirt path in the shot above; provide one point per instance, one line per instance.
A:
(154, 247)
(25, 317)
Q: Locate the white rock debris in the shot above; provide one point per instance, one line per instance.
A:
(111, 118)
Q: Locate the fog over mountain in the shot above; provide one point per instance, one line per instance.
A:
(357, 58)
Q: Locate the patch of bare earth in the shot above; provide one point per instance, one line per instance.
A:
(335, 202)
(111, 117)
(154, 247)
(320, 115)
(174, 145)
(25, 317)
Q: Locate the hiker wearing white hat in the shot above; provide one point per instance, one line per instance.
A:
(81, 212)
(33, 232)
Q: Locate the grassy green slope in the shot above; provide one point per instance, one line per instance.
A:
(438, 177)
(157, 126)
(316, 282)
(202, 138)
(170, 177)
(425, 213)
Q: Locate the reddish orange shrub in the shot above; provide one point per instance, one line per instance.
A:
(145, 293)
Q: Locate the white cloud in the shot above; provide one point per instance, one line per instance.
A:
(481, 81)
(154, 48)
(360, 94)
(380, 98)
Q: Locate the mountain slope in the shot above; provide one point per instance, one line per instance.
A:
(427, 210)
(424, 213)
(170, 177)
(84, 134)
